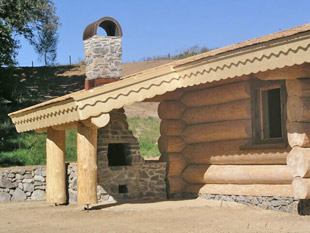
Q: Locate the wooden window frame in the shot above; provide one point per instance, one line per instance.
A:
(257, 86)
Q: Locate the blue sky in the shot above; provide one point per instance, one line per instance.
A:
(159, 27)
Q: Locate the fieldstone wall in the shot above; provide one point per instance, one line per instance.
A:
(146, 183)
(281, 204)
(29, 183)
(22, 184)
(142, 179)
(103, 57)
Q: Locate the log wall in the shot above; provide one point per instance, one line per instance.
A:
(298, 131)
(202, 130)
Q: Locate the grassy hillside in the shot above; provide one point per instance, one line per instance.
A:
(31, 149)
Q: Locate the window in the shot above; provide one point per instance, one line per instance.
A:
(118, 154)
(268, 112)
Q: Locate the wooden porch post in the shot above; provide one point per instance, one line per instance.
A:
(55, 167)
(87, 164)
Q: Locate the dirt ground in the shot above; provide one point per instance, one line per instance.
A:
(163, 216)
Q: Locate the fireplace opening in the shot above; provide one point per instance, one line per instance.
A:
(122, 189)
(118, 154)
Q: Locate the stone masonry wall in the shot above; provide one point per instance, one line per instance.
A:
(22, 184)
(142, 179)
(29, 183)
(148, 183)
(103, 57)
(281, 204)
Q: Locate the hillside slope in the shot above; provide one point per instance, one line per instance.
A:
(43, 83)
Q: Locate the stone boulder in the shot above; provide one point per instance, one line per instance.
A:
(28, 187)
(18, 195)
(5, 183)
(4, 197)
(38, 195)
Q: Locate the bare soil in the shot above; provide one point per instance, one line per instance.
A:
(163, 216)
(142, 110)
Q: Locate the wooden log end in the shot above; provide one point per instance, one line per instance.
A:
(301, 188)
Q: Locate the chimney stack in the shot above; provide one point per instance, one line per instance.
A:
(103, 54)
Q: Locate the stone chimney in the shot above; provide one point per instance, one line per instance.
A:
(103, 54)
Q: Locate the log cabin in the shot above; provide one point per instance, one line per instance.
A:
(235, 121)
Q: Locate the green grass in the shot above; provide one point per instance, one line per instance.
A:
(30, 147)
(147, 132)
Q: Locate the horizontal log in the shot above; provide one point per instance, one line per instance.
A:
(298, 109)
(298, 134)
(235, 110)
(248, 189)
(171, 127)
(228, 153)
(285, 73)
(171, 109)
(171, 95)
(218, 131)
(298, 87)
(298, 162)
(217, 95)
(217, 83)
(176, 164)
(237, 174)
(170, 144)
(176, 184)
(301, 188)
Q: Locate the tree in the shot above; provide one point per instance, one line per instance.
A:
(27, 18)
(46, 44)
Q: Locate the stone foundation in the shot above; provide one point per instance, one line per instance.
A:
(281, 204)
(29, 183)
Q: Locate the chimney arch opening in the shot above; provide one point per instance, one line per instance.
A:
(110, 26)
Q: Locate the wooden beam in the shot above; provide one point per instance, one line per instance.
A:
(229, 153)
(282, 190)
(291, 72)
(98, 121)
(68, 126)
(298, 134)
(301, 188)
(43, 130)
(217, 95)
(237, 174)
(298, 161)
(218, 131)
(55, 167)
(87, 164)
